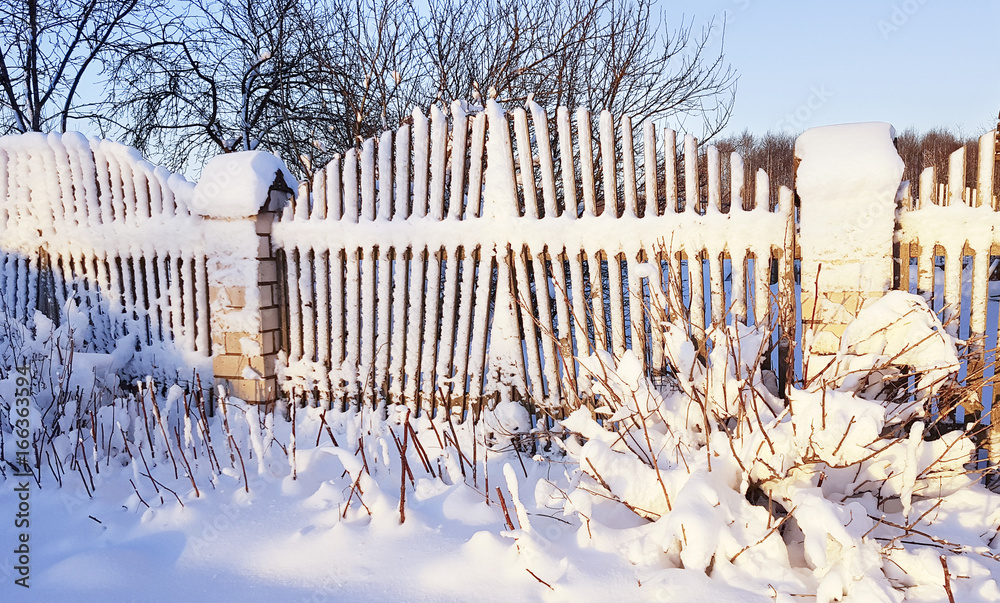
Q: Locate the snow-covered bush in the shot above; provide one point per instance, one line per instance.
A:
(839, 492)
(65, 381)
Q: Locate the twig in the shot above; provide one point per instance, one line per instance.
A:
(137, 493)
(506, 514)
(165, 487)
(180, 448)
(406, 468)
(947, 579)
(546, 583)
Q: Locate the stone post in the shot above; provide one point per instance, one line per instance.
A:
(847, 178)
(240, 196)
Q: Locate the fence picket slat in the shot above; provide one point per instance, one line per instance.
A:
(401, 207)
(649, 169)
(692, 198)
(696, 284)
(439, 151)
(352, 326)
(564, 327)
(718, 294)
(323, 306)
(382, 326)
(987, 161)
(414, 322)
(397, 345)
(421, 146)
(738, 288)
(173, 299)
(477, 147)
(670, 182)
(366, 355)
(714, 204)
(528, 324)
(658, 306)
(545, 164)
(547, 330)
(584, 344)
(432, 308)
(583, 132)
(334, 198)
(737, 174)
(953, 282)
(368, 179)
(525, 164)
(200, 294)
(480, 322)
(295, 313)
(637, 309)
(762, 192)
(318, 195)
(385, 176)
(597, 300)
(338, 316)
(956, 177)
(459, 131)
(351, 205)
(608, 165)
(448, 323)
(566, 164)
(465, 293)
(306, 286)
(617, 305)
(628, 165)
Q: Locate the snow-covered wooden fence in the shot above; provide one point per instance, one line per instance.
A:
(472, 256)
(90, 220)
(948, 238)
(468, 255)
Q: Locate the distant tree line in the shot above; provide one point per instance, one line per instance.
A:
(775, 153)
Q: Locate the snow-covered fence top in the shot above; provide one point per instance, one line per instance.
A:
(473, 254)
(90, 220)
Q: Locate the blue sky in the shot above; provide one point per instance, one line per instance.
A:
(919, 63)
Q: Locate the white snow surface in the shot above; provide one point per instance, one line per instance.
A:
(657, 494)
(236, 185)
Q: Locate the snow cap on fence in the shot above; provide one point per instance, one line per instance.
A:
(847, 179)
(236, 185)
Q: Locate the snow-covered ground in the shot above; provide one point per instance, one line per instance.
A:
(287, 540)
(710, 489)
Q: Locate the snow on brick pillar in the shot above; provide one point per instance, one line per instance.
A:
(240, 196)
(846, 178)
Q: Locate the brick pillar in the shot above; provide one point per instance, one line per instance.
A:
(240, 196)
(846, 178)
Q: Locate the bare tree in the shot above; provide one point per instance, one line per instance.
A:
(50, 48)
(371, 70)
(618, 55)
(303, 77)
(224, 75)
